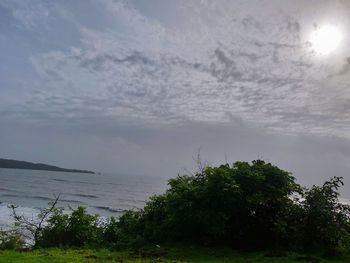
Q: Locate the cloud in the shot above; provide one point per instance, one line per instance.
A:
(117, 86)
(29, 14)
(346, 67)
(230, 60)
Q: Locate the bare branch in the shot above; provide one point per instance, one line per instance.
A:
(31, 225)
(200, 164)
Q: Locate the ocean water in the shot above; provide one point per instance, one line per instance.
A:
(103, 194)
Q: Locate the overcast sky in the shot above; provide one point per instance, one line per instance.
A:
(139, 86)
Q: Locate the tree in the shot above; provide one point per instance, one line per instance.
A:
(239, 204)
(325, 219)
(32, 228)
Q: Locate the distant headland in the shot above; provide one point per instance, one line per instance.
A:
(14, 164)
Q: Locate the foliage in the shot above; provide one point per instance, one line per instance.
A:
(242, 204)
(125, 232)
(325, 219)
(11, 240)
(173, 254)
(246, 205)
(76, 229)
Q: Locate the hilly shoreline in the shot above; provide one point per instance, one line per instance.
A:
(15, 164)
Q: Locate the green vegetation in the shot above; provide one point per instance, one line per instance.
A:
(245, 207)
(188, 254)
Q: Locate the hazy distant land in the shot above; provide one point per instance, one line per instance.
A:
(15, 164)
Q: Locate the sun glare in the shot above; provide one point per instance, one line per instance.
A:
(325, 39)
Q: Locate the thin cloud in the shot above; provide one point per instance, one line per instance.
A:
(253, 65)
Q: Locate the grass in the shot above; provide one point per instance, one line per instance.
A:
(189, 254)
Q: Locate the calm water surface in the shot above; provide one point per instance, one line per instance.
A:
(103, 194)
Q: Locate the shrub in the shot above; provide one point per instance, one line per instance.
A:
(240, 204)
(130, 230)
(251, 205)
(325, 220)
(76, 229)
(11, 240)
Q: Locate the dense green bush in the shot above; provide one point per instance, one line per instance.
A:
(125, 232)
(247, 205)
(325, 222)
(76, 229)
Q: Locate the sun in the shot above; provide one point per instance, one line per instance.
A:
(325, 39)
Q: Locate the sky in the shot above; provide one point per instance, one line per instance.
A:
(140, 86)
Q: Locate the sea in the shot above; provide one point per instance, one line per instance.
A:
(103, 194)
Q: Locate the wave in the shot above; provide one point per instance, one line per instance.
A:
(60, 180)
(110, 209)
(82, 182)
(6, 218)
(85, 195)
(41, 197)
(71, 201)
(70, 181)
(9, 190)
(9, 195)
